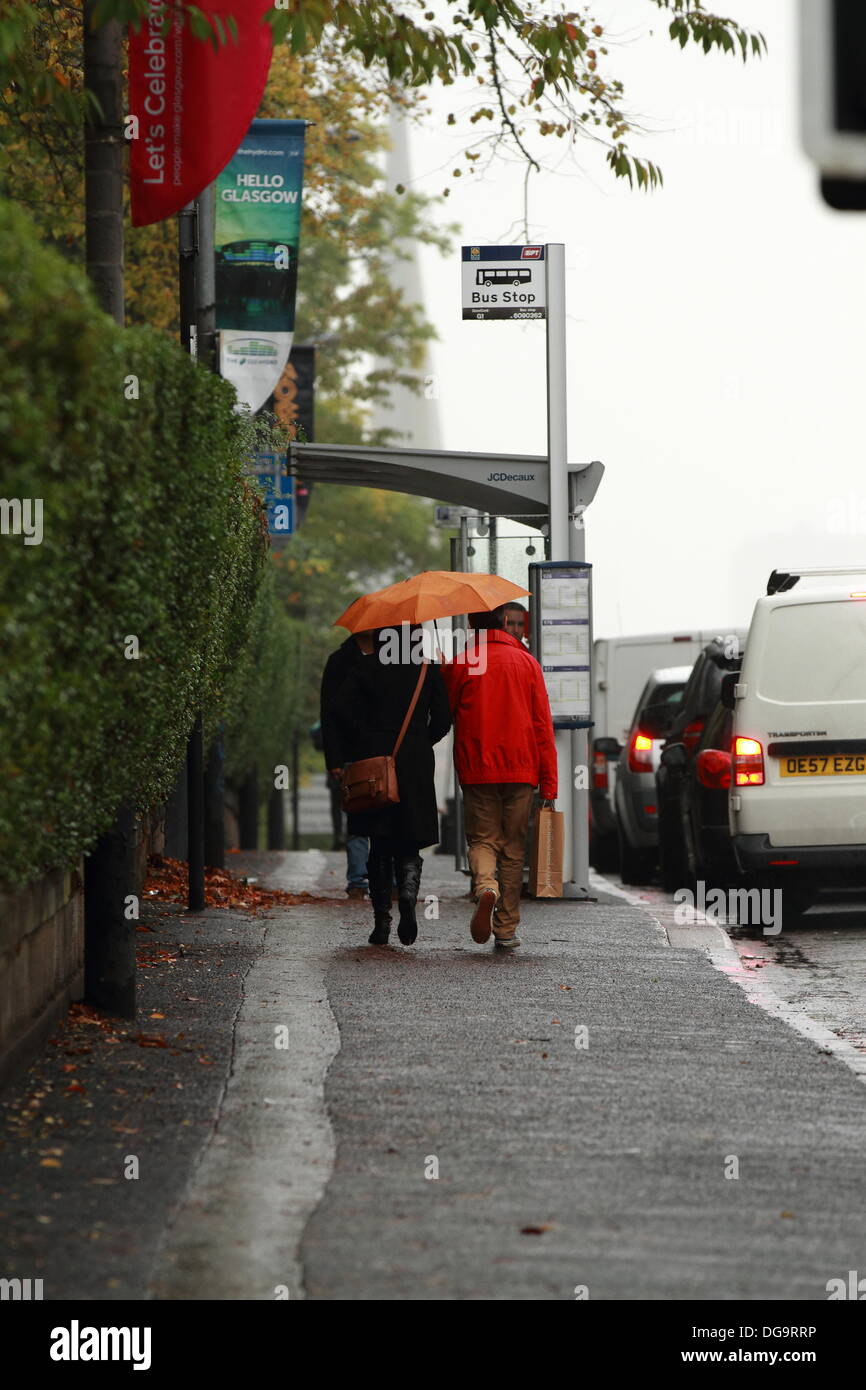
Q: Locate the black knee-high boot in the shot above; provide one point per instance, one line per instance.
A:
(379, 881)
(408, 869)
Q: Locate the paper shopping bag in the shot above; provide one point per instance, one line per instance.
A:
(545, 865)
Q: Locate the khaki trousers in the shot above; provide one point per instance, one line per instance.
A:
(496, 818)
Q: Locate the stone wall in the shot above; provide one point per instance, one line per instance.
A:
(41, 963)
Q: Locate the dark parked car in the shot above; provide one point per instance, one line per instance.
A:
(706, 833)
(635, 790)
(700, 698)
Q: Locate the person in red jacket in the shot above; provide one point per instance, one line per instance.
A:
(503, 749)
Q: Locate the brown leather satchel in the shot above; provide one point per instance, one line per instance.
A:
(371, 783)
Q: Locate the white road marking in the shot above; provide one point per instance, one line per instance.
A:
(271, 1153)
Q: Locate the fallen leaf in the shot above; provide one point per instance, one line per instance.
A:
(49, 1163)
(75, 1087)
(155, 1015)
(150, 1040)
(536, 1230)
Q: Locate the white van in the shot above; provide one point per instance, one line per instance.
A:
(798, 783)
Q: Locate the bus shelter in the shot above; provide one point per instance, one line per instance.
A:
(504, 526)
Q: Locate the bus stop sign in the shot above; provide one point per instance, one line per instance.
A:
(504, 282)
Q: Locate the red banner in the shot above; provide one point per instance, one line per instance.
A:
(193, 102)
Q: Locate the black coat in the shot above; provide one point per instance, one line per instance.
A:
(338, 666)
(370, 707)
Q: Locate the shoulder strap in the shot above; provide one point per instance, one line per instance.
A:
(411, 710)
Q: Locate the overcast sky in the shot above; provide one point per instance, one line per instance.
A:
(715, 332)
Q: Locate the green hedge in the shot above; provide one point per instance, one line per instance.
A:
(150, 531)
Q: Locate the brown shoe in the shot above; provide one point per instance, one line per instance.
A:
(357, 890)
(482, 918)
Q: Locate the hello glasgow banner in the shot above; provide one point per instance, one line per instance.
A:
(193, 100)
(258, 224)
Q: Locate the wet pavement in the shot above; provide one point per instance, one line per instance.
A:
(601, 1114)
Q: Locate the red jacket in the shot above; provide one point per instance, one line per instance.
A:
(502, 726)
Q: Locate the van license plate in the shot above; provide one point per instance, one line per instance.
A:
(824, 765)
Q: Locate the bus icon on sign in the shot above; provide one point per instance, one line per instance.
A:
(514, 275)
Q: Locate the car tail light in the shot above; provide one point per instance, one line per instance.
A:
(640, 753)
(599, 771)
(713, 768)
(748, 763)
(692, 733)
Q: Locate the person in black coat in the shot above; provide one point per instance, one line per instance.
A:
(354, 651)
(370, 707)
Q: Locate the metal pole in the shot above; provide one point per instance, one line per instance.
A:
(187, 245)
(296, 777)
(205, 321)
(579, 737)
(557, 509)
(557, 404)
(103, 161)
(111, 869)
(195, 802)
(205, 284)
(460, 562)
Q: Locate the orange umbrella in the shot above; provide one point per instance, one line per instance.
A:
(432, 594)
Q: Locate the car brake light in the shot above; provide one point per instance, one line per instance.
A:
(748, 763)
(713, 768)
(599, 771)
(640, 753)
(692, 733)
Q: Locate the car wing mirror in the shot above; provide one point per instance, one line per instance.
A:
(675, 755)
(610, 747)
